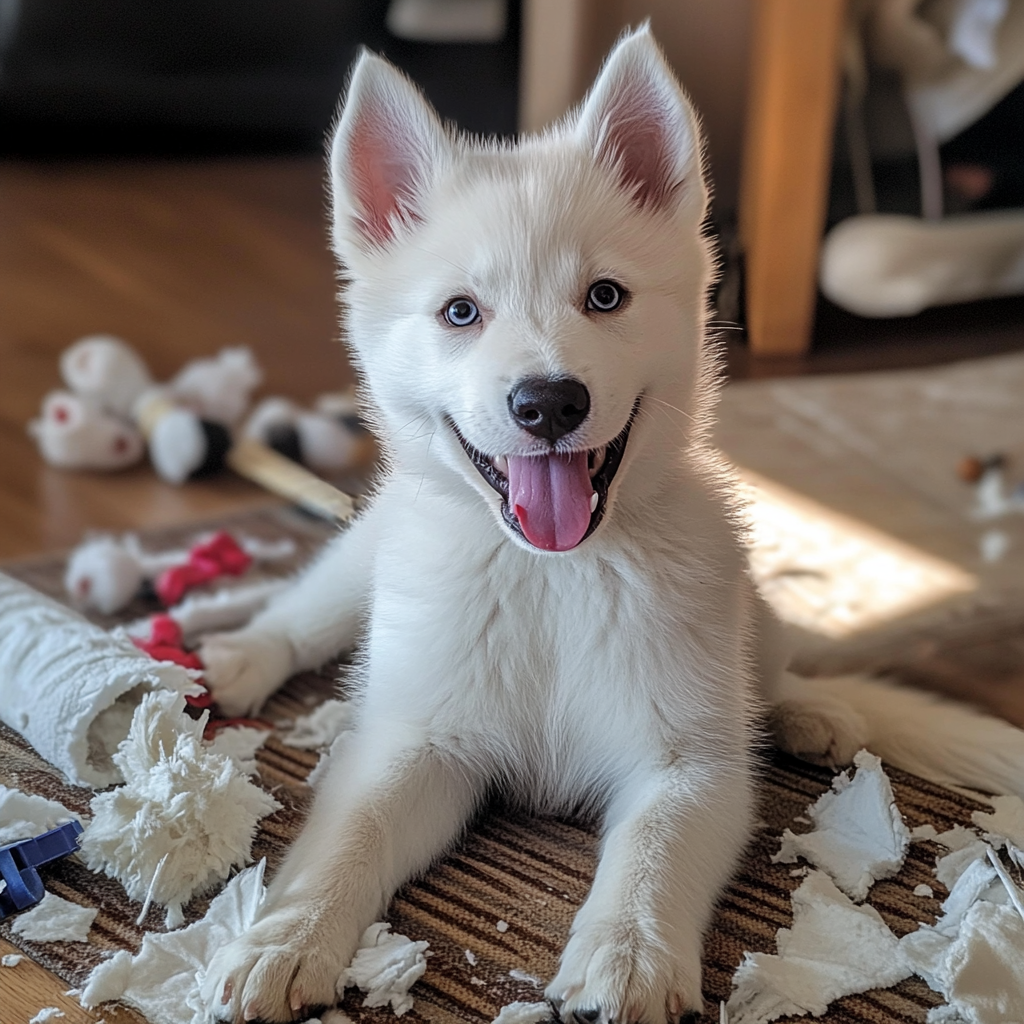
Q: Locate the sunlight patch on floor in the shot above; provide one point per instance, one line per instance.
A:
(834, 575)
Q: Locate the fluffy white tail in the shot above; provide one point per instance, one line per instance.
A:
(938, 739)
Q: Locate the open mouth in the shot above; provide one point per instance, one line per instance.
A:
(554, 501)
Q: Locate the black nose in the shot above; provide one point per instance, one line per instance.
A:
(549, 408)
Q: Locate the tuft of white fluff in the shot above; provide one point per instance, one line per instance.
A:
(185, 816)
(321, 727)
(385, 967)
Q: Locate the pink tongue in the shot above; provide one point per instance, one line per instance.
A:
(550, 495)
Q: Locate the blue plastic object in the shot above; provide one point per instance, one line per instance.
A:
(19, 863)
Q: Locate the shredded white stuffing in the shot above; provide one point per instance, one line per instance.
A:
(859, 835)
(186, 815)
(530, 979)
(1005, 824)
(502, 926)
(55, 919)
(471, 958)
(524, 1013)
(477, 981)
(835, 948)
(923, 890)
(164, 979)
(321, 727)
(385, 967)
(11, 959)
(23, 816)
(45, 1014)
(971, 955)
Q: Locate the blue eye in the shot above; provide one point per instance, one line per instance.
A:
(605, 296)
(461, 312)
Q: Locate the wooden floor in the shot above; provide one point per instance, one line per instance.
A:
(180, 260)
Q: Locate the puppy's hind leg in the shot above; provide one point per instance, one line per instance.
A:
(384, 811)
(672, 840)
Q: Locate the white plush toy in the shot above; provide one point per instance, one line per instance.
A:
(188, 420)
(329, 438)
(75, 433)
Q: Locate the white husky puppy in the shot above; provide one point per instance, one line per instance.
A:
(551, 595)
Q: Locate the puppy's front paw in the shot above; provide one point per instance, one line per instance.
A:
(275, 971)
(616, 972)
(243, 669)
(821, 730)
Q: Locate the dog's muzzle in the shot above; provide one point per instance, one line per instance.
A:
(553, 501)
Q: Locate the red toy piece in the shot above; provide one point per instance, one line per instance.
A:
(220, 556)
(165, 644)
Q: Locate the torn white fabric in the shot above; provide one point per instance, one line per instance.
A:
(321, 727)
(524, 1013)
(11, 959)
(61, 677)
(949, 868)
(385, 967)
(45, 1014)
(859, 835)
(530, 979)
(972, 953)
(164, 979)
(834, 949)
(471, 958)
(240, 743)
(314, 778)
(185, 817)
(55, 919)
(1005, 824)
(923, 890)
(24, 816)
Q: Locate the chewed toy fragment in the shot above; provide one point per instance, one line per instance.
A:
(524, 1013)
(924, 890)
(834, 948)
(385, 967)
(11, 959)
(322, 726)
(45, 1014)
(23, 815)
(859, 835)
(1005, 824)
(186, 815)
(164, 979)
(55, 919)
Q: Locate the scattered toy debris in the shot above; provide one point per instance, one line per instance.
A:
(502, 926)
(321, 727)
(834, 948)
(185, 817)
(924, 890)
(471, 958)
(530, 979)
(45, 1014)
(11, 959)
(164, 979)
(385, 967)
(23, 815)
(859, 835)
(524, 1013)
(55, 919)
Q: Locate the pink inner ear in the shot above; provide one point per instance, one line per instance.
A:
(636, 134)
(382, 174)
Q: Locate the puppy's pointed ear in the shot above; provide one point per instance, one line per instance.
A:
(638, 120)
(387, 144)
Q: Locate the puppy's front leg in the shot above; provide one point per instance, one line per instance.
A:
(385, 810)
(671, 841)
(313, 620)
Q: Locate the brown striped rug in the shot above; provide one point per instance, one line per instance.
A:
(532, 873)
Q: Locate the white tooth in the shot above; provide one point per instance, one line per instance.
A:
(500, 463)
(599, 455)
(593, 502)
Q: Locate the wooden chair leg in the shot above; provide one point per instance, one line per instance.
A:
(795, 72)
